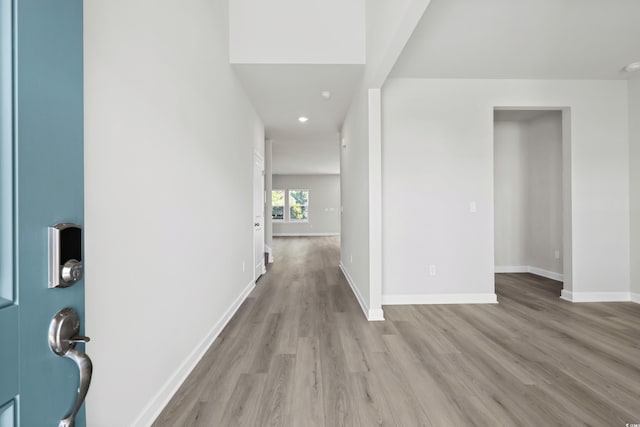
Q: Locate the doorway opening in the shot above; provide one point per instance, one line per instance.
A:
(302, 196)
(532, 198)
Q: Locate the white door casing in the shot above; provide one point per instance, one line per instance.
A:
(258, 215)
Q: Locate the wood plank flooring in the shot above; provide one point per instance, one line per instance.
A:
(299, 352)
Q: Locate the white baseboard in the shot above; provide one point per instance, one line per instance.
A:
(566, 295)
(546, 273)
(166, 392)
(375, 315)
(371, 314)
(529, 269)
(635, 298)
(511, 269)
(439, 299)
(595, 296)
(269, 252)
(304, 234)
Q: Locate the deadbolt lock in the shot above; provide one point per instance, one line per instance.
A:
(65, 255)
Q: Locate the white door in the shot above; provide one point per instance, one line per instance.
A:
(258, 215)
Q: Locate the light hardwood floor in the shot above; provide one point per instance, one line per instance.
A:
(299, 353)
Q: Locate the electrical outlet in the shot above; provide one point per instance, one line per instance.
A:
(473, 207)
(351, 258)
(557, 254)
(244, 266)
(432, 270)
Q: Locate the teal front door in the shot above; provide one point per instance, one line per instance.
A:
(41, 184)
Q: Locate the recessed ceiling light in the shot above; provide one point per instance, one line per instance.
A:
(325, 94)
(303, 119)
(632, 68)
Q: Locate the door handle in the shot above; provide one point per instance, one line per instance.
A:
(63, 337)
(78, 339)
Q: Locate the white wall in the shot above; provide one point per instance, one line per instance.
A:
(297, 31)
(305, 156)
(438, 157)
(528, 193)
(383, 19)
(390, 25)
(634, 128)
(510, 192)
(169, 147)
(544, 192)
(354, 193)
(324, 204)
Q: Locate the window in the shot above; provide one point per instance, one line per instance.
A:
(298, 205)
(277, 205)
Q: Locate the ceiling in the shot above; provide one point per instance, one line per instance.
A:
(282, 93)
(528, 39)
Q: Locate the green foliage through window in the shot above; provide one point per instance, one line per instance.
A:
(298, 205)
